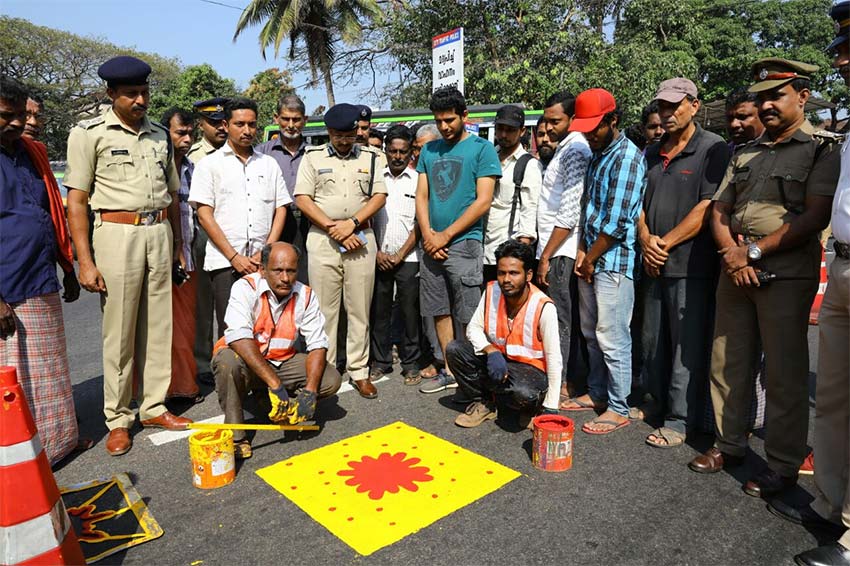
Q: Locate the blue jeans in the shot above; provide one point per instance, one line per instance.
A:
(606, 312)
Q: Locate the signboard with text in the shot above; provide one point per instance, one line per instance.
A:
(447, 59)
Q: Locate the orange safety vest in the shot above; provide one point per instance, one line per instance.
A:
(523, 342)
(276, 341)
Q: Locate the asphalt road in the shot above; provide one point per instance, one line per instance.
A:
(622, 503)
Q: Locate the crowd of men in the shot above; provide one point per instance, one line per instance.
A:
(657, 263)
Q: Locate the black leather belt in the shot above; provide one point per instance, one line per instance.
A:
(841, 250)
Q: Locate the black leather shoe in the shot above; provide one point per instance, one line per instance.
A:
(768, 483)
(830, 555)
(805, 516)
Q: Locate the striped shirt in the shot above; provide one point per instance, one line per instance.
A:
(396, 220)
(615, 183)
(187, 213)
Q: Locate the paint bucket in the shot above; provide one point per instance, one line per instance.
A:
(213, 462)
(552, 448)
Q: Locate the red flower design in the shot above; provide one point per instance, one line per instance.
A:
(386, 473)
(89, 517)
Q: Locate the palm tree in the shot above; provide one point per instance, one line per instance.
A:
(319, 23)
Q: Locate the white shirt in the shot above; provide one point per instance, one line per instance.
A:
(551, 346)
(841, 200)
(525, 217)
(244, 305)
(395, 221)
(560, 195)
(243, 196)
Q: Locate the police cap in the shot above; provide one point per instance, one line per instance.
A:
(774, 72)
(365, 112)
(840, 12)
(124, 70)
(342, 117)
(212, 109)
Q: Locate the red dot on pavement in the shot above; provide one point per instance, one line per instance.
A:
(331, 508)
(379, 509)
(392, 524)
(489, 471)
(350, 519)
(434, 496)
(321, 472)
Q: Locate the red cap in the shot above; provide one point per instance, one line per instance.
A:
(591, 106)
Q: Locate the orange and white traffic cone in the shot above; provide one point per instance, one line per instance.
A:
(815, 312)
(34, 525)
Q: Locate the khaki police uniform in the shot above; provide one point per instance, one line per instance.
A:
(767, 184)
(204, 310)
(127, 171)
(340, 187)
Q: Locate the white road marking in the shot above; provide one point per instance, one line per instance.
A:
(166, 436)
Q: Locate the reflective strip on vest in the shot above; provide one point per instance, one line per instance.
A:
(24, 541)
(20, 452)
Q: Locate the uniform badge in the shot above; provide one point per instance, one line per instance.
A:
(763, 74)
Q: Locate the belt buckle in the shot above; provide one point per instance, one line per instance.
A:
(148, 218)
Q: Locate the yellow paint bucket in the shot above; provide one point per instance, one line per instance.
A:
(212, 458)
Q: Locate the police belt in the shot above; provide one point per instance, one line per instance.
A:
(148, 218)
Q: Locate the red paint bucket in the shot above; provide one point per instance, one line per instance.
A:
(552, 448)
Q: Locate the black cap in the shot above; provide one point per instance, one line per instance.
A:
(124, 70)
(840, 12)
(510, 115)
(212, 109)
(343, 117)
(365, 112)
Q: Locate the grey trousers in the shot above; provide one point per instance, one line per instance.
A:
(233, 381)
(678, 326)
(560, 276)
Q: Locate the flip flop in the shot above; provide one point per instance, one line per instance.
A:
(672, 438)
(429, 372)
(582, 406)
(605, 422)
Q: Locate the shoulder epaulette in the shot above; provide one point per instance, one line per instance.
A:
(315, 148)
(826, 135)
(91, 122)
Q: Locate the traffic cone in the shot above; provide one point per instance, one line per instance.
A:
(815, 312)
(34, 525)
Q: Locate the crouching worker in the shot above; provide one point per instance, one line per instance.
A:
(266, 312)
(512, 356)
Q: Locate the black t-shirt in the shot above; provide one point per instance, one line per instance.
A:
(672, 192)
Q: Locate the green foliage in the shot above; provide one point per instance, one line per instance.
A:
(62, 68)
(266, 88)
(523, 50)
(197, 82)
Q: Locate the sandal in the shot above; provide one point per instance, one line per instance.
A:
(242, 450)
(582, 406)
(412, 377)
(428, 372)
(377, 373)
(615, 425)
(665, 437)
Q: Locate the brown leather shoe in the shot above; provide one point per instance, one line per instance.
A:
(167, 421)
(769, 483)
(365, 387)
(118, 442)
(713, 460)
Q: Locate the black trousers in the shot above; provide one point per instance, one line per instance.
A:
(524, 389)
(405, 280)
(222, 280)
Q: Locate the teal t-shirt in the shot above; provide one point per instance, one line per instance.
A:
(452, 172)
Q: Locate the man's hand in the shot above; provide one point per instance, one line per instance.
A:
(280, 404)
(497, 367)
(543, 271)
(257, 257)
(584, 268)
(340, 230)
(654, 252)
(745, 277)
(435, 242)
(244, 265)
(7, 320)
(303, 407)
(352, 242)
(91, 279)
(71, 287)
(734, 258)
(650, 269)
(181, 259)
(387, 262)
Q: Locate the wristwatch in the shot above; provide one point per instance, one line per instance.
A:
(754, 252)
(356, 222)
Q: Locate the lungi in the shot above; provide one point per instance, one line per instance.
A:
(183, 364)
(38, 352)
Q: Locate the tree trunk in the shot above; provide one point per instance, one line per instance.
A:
(325, 67)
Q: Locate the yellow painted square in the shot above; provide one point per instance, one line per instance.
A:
(374, 489)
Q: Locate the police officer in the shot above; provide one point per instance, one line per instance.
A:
(214, 135)
(774, 199)
(339, 187)
(364, 122)
(122, 164)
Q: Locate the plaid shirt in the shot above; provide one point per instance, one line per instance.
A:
(615, 183)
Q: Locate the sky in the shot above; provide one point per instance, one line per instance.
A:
(193, 31)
